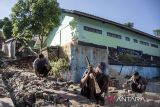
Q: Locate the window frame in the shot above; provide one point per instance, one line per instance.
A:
(144, 43)
(114, 35)
(154, 45)
(93, 30)
(135, 40)
(128, 39)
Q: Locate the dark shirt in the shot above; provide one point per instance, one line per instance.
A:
(141, 80)
(85, 90)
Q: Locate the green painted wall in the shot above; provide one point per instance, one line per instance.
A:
(105, 40)
(100, 39)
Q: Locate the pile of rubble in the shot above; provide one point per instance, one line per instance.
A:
(3, 91)
(25, 63)
(27, 90)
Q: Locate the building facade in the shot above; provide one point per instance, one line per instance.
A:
(113, 39)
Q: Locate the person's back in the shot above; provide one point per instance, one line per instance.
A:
(41, 66)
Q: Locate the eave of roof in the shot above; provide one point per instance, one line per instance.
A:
(109, 22)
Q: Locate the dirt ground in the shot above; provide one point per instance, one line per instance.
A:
(25, 89)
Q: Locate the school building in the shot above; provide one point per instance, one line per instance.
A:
(82, 34)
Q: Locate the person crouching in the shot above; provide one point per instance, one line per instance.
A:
(94, 82)
(137, 83)
(41, 66)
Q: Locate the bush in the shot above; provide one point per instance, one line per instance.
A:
(59, 66)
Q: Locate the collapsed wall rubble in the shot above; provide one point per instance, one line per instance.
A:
(27, 90)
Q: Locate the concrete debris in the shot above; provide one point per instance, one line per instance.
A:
(3, 92)
(6, 102)
(28, 90)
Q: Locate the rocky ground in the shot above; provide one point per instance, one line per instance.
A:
(5, 100)
(21, 88)
(27, 90)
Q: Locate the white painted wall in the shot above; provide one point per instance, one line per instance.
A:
(64, 30)
(10, 49)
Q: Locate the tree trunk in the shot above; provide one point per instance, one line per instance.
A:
(26, 44)
(29, 47)
(41, 41)
(41, 44)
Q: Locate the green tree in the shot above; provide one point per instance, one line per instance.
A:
(73, 26)
(34, 18)
(6, 26)
(1, 23)
(129, 24)
(156, 32)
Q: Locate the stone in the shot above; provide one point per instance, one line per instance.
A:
(29, 90)
(6, 102)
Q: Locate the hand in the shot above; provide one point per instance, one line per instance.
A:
(90, 68)
(139, 86)
(124, 85)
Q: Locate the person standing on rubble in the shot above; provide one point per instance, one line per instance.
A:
(41, 66)
(94, 82)
(137, 83)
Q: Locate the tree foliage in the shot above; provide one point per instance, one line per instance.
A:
(35, 18)
(6, 26)
(73, 26)
(129, 24)
(156, 32)
(1, 35)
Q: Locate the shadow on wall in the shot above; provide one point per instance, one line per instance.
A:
(78, 59)
(147, 72)
(54, 53)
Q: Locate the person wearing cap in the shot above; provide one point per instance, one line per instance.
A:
(137, 83)
(94, 82)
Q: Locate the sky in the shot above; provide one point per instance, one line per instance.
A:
(145, 14)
